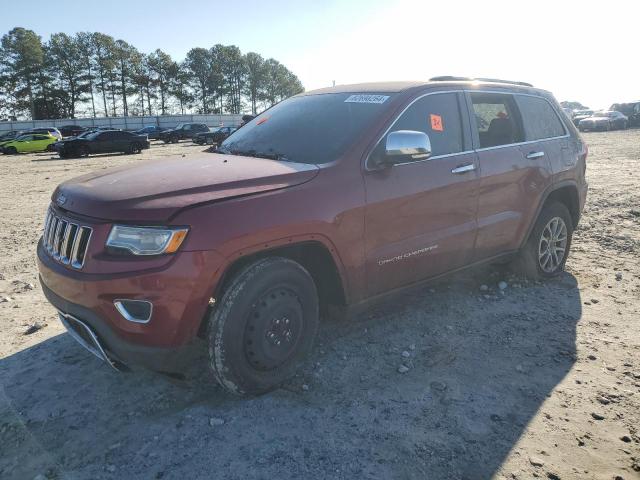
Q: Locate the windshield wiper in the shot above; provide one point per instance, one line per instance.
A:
(255, 154)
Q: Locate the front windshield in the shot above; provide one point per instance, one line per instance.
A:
(307, 129)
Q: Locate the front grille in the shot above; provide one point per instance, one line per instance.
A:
(66, 242)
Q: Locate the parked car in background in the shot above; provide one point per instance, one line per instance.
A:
(216, 135)
(30, 142)
(182, 131)
(10, 135)
(102, 141)
(151, 131)
(331, 198)
(580, 115)
(51, 130)
(604, 120)
(631, 110)
(71, 130)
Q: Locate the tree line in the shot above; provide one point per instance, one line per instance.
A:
(93, 74)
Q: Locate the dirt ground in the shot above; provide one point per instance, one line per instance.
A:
(536, 380)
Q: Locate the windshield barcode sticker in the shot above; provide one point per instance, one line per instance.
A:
(367, 99)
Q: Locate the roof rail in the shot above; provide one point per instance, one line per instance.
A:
(450, 78)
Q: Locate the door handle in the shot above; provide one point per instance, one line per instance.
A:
(533, 155)
(464, 168)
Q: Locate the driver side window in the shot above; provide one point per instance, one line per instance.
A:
(437, 115)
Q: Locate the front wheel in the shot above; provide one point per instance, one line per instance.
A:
(10, 150)
(546, 251)
(263, 326)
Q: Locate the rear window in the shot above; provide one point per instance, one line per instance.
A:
(539, 118)
(308, 129)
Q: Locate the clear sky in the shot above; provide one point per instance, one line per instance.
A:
(580, 50)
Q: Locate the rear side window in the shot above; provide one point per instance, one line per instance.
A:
(497, 119)
(539, 118)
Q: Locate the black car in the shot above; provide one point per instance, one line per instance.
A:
(631, 110)
(216, 135)
(182, 131)
(151, 131)
(71, 130)
(102, 141)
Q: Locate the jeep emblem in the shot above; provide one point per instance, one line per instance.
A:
(60, 199)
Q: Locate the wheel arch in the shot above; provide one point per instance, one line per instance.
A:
(564, 192)
(320, 259)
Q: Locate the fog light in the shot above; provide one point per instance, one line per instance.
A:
(138, 311)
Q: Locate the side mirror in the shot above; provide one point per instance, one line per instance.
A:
(403, 143)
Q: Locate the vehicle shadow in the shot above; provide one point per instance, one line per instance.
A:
(480, 365)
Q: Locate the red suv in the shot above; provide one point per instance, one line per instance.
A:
(333, 197)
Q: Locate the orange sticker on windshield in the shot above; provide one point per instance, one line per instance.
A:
(262, 120)
(436, 123)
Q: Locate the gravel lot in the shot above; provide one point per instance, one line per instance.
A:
(536, 380)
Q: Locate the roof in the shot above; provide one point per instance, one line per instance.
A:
(395, 87)
(373, 87)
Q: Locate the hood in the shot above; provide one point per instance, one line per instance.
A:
(153, 191)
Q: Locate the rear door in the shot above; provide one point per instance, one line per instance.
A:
(420, 217)
(40, 143)
(514, 171)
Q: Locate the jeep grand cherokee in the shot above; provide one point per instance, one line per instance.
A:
(333, 197)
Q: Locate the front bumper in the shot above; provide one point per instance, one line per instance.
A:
(111, 348)
(179, 291)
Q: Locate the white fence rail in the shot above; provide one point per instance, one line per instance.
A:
(126, 123)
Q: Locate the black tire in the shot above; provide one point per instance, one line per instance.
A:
(83, 151)
(166, 140)
(529, 262)
(10, 150)
(263, 326)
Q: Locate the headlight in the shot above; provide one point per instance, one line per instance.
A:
(146, 240)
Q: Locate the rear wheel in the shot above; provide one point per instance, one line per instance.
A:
(545, 253)
(263, 327)
(83, 151)
(10, 150)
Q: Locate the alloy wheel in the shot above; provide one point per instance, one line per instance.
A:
(552, 246)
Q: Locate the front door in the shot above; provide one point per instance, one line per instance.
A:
(420, 217)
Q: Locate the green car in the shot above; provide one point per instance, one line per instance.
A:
(31, 142)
